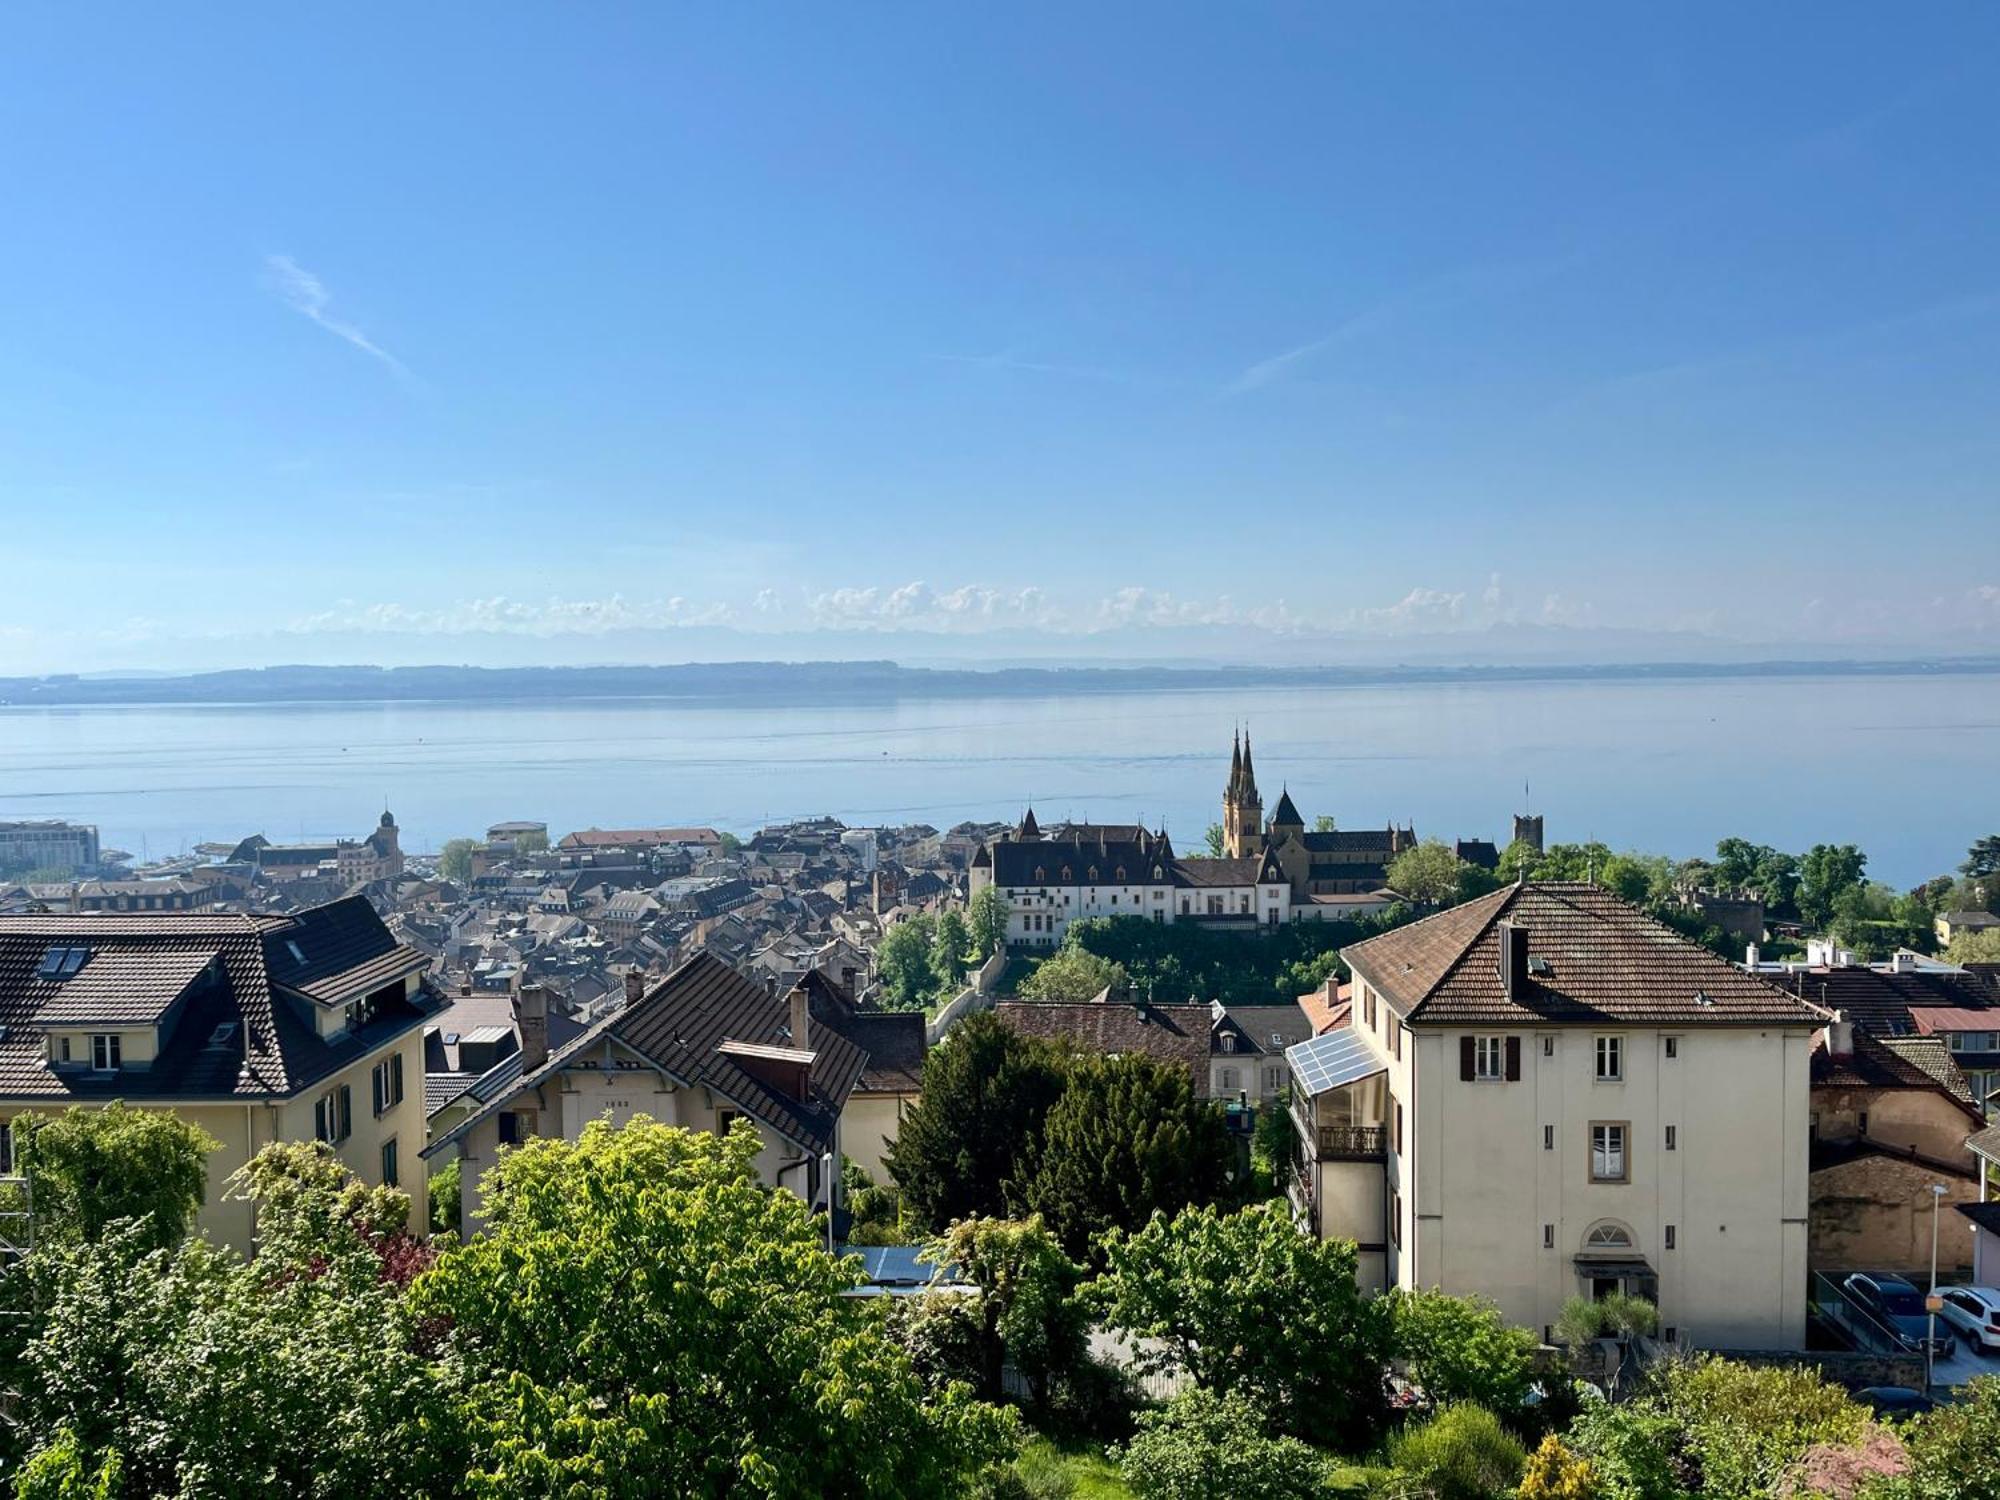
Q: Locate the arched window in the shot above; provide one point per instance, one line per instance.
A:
(1608, 1237)
(1158, 873)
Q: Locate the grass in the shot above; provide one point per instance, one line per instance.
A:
(1091, 1475)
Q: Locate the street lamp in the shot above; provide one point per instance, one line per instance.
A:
(1931, 1301)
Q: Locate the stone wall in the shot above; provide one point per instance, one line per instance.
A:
(1852, 1368)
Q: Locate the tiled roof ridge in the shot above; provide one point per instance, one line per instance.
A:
(1505, 897)
(1509, 895)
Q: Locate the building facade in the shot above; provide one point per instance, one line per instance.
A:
(48, 844)
(1543, 1094)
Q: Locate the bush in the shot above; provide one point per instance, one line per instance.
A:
(1202, 1446)
(1556, 1473)
(1954, 1451)
(1460, 1349)
(445, 1189)
(1463, 1453)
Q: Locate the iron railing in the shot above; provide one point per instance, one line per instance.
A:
(1352, 1142)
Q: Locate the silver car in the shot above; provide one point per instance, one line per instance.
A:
(1975, 1312)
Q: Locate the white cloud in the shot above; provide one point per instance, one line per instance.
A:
(307, 295)
(500, 615)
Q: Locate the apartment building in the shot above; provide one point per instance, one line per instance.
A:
(1545, 1093)
(257, 1028)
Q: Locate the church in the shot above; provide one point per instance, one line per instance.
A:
(1316, 862)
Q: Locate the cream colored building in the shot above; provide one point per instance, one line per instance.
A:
(1545, 1094)
(700, 1049)
(257, 1028)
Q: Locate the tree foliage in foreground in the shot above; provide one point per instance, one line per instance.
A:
(92, 1167)
(1128, 1138)
(1204, 1446)
(641, 1306)
(1461, 1349)
(986, 1091)
(1247, 1304)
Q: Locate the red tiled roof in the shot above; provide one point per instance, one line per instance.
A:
(1600, 959)
(1893, 1063)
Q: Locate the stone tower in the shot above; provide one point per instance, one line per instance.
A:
(1528, 830)
(1242, 807)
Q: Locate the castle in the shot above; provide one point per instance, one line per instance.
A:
(1315, 862)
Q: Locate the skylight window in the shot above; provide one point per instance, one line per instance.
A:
(296, 951)
(61, 962)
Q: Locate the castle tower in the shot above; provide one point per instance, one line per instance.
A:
(1528, 830)
(1242, 807)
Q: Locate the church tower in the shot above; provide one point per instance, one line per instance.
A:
(1242, 807)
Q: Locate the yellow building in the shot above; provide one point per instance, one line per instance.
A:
(257, 1028)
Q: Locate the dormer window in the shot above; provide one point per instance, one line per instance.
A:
(60, 963)
(1118, 875)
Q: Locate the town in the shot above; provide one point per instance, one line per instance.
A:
(1510, 1153)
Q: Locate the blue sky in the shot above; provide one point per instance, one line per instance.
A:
(510, 333)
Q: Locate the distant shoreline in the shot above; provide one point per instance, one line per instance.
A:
(787, 683)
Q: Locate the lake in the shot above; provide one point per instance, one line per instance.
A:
(1903, 766)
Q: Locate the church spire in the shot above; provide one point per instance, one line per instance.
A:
(1235, 761)
(1249, 773)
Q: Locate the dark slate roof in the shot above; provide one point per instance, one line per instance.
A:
(1351, 870)
(1169, 1033)
(895, 1043)
(680, 1024)
(1894, 1063)
(122, 986)
(1348, 840)
(1603, 961)
(1287, 812)
(1257, 1024)
(1882, 1002)
(1252, 869)
(1017, 864)
(244, 977)
(1480, 852)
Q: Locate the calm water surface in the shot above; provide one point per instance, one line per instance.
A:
(1906, 767)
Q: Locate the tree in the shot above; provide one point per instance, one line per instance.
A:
(1982, 860)
(1215, 838)
(1127, 1138)
(1247, 1304)
(1073, 974)
(1461, 1349)
(1027, 1309)
(1324, 824)
(986, 922)
(93, 1167)
(531, 841)
(728, 842)
(455, 861)
(1427, 873)
(447, 1185)
(903, 962)
(986, 1090)
(950, 943)
(1519, 860)
(1826, 872)
(1204, 1446)
(1954, 1451)
(1642, 879)
(189, 1370)
(1975, 947)
(641, 1306)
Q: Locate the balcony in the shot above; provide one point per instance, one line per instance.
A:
(1351, 1142)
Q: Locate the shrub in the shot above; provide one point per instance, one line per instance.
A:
(1460, 1349)
(1555, 1473)
(1954, 1451)
(445, 1187)
(1463, 1453)
(1201, 1446)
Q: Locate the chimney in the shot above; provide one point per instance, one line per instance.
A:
(1513, 960)
(1751, 955)
(635, 986)
(801, 1019)
(1840, 1035)
(531, 1020)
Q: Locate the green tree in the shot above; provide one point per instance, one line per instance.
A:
(1427, 873)
(1073, 974)
(1215, 839)
(950, 943)
(1519, 860)
(187, 1370)
(90, 1168)
(1975, 947)
(1205, 1446)
(641, 1306)
(1825, 874)
(1324, 824)
(1303, 975)
(728, 842)
(1954, 1451)
(1027, 1309)
(903, 962)
(1642, 879)
(1127, 1138)
(986, 922)
(447, 1185)
(1248, 1304)
(986, 1091)
(455, 861)
(1982, 860)
(1462, 1453)
(1461, 1349)
(531, 841)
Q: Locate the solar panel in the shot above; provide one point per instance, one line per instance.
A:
(1327, 1062)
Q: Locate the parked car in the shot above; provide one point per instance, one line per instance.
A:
(1897, 1399)
(1975, 1312)
(1899, 1307)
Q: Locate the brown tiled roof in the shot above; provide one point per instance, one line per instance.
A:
(680, 1024)
(895, 1044)
(1986, 1141)
(224, 970)
(1600, 960)
(121, 986)
(1175, 1034)
(1327, 1007)
(1893, 1063)
(611, 838)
